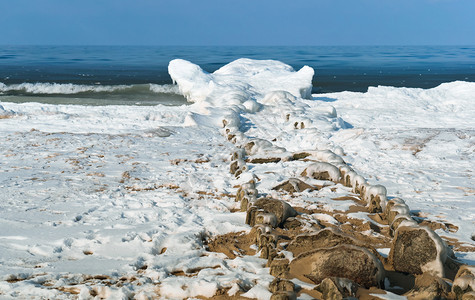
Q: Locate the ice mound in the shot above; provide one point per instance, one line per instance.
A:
(240, 81)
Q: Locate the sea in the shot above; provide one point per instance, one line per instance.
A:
(138, 75)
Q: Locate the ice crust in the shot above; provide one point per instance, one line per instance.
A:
(143, 186)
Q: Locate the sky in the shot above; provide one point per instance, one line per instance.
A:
(238, 22)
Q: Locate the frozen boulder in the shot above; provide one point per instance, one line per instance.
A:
(401, 220)
(375, 197)
(322, 171)
(335, 288)
(294, 185)
(417, 250)
(346, 261)
(282, 210)
(239, 82)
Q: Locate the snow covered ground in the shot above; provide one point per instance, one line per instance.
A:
(117, 201)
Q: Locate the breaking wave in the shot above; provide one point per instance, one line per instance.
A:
(72, 89)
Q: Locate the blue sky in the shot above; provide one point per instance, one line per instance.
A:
(245, 22)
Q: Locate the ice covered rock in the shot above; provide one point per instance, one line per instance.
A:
(357, 182)
(322, 171)
(240, 81)
(326, 156)
(347, 174)
(261, 146)
(335, 288)
(374, 196)
(417, 250)
(294, 185)
(237, 167)
(390, 214)
(346, 261)
(282, 210)
(401, 220)
(4, 114)
(464, 282)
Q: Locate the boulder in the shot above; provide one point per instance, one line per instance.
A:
(282, 210)
(294, 185)
(401, 220)
(389, 206)
(284, 295)
(324, 238)
(416, 250)
(464, 282)
(345, 171)
(281, 285)
(468, 296)
(346, 261)
(279, 267)
(335, 288)
(322, 171)
(375, 197)
(430, 287)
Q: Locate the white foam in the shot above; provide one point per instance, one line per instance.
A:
(60, 88)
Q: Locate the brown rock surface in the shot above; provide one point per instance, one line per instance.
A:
(347, 261)
(335, 288)
(324, 238)
(417, 250)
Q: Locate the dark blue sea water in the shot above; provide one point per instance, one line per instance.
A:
(336, 68)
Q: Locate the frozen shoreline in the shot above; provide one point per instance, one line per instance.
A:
(104, 190)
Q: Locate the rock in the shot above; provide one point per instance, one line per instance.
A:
(247, 201)
(357, 183)
(322, 171)
(324, 238)
(294, 185)
(283, 296)
(335, 288)
(389, 206)
(237, 167)
(468, 296)
(300, 155)
(464, 282)
(416, 250)
(282, 210)
(266, 218)
(374, 196)
(396, 210)
(428, 286)
(264, 160)
(292, 223)
(251, 215)
(346, 261)
(401, 220)
(279, 267)
(281, 285)
(345, 175)
(266, 239)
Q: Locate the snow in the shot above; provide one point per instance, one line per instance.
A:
(132, 192)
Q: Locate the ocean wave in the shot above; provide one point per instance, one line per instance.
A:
(70, 88)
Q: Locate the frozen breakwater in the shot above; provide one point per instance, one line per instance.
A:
(255, 190)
